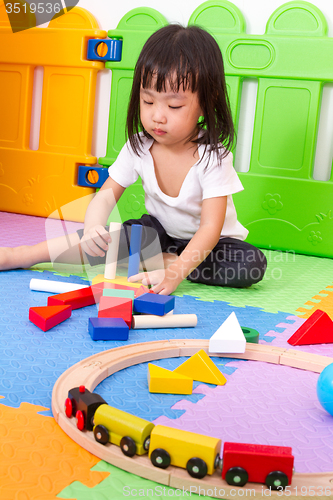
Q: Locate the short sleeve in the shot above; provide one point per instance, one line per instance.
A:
(220, 178)
(123, 170)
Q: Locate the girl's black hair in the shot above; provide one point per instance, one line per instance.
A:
(189, 58)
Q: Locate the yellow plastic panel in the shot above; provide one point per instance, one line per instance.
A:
(39, 182)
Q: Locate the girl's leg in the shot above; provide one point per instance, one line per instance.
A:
(232, 263)
(64, 249)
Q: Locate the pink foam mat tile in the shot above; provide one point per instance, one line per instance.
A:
(265, 404)
(17, 229)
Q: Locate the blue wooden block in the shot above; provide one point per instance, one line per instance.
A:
(151, 303)
(101, 175)
(114, 49)
(108, 329)
(135, 250)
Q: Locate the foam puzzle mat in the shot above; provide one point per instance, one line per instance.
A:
(261, 403)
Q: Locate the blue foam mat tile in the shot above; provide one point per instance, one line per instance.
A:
(32, 360)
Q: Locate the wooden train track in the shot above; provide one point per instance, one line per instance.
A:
(93, 370)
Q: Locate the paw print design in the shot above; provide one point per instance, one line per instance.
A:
(315, 237)
(28, 199)
(134, 203)
(272, 203)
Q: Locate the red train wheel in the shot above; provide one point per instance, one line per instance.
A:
(68, 407)
(80, 420)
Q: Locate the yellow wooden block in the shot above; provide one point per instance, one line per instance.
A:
(167, 382)
(202, 369)
(119, 280)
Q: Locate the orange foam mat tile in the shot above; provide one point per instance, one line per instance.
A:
(323, 301)
(38, 460)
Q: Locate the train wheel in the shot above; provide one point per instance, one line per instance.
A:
(276, 480)
(101, 434)
(196, 468)
(68, 407)
(80, 420)
(146, 443)
(237, 476)
(160, 458)
(128, 446)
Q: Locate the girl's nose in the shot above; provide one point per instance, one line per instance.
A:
(159, 116)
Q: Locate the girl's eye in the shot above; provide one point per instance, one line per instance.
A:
(175, 107)
(146, 102)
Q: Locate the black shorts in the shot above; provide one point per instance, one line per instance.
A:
(232, 262)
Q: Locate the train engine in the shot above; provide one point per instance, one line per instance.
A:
(82, 404)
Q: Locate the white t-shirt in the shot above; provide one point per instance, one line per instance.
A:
(180, 216)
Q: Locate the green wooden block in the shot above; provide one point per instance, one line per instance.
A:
(116, 292)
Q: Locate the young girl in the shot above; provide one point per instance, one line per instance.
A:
(179, 101)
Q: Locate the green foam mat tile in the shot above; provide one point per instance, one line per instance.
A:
(120, 485)
(290, 281)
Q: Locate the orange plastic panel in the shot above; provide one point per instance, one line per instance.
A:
(39, 182)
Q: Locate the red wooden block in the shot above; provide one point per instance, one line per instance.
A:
(116, 307)
(78, 298)
(317, 329)
(49, 316)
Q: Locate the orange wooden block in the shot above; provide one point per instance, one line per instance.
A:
(78, 298)
(49, 316)
(317, 329)
(115, 286)
(116, 307)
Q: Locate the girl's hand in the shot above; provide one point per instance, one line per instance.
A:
(162, 283)
(95, 240)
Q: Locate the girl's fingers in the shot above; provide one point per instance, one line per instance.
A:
(136, 277)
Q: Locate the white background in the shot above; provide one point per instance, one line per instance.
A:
(256, 13)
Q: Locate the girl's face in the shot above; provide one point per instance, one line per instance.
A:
(169, 117)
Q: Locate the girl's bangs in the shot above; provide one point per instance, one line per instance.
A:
(158, 76)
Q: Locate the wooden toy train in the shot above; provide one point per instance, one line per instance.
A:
(198, 454)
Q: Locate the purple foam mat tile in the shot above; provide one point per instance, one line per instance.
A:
(287, 330)
(264, 403)
(18, 229)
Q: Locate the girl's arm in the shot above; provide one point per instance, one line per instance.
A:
(200, 246)
(96, 217)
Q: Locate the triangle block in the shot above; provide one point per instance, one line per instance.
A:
(317, 329)
(229, 337)
(202, 369)
(49, 316)
(165, 381)
(78, 298)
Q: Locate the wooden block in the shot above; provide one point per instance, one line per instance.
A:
(150, 303)
(116, 307)
(78, 298)
(49, 316)
(164, 381)
(317, 329)
(168, 321)
(108, 329)
(201, 368)
(112, 253)
(229, 337)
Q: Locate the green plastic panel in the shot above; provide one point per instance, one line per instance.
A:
(282, 205)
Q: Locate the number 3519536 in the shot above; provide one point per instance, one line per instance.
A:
(40, 7)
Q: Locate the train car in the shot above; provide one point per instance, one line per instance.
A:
(182, 448)
(82, 404)
(270, 465)
(131, 433)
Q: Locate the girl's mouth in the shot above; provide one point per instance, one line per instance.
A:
(158, 131)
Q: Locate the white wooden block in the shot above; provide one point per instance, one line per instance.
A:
(54, 286)
(229, 337)
(112, 253)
